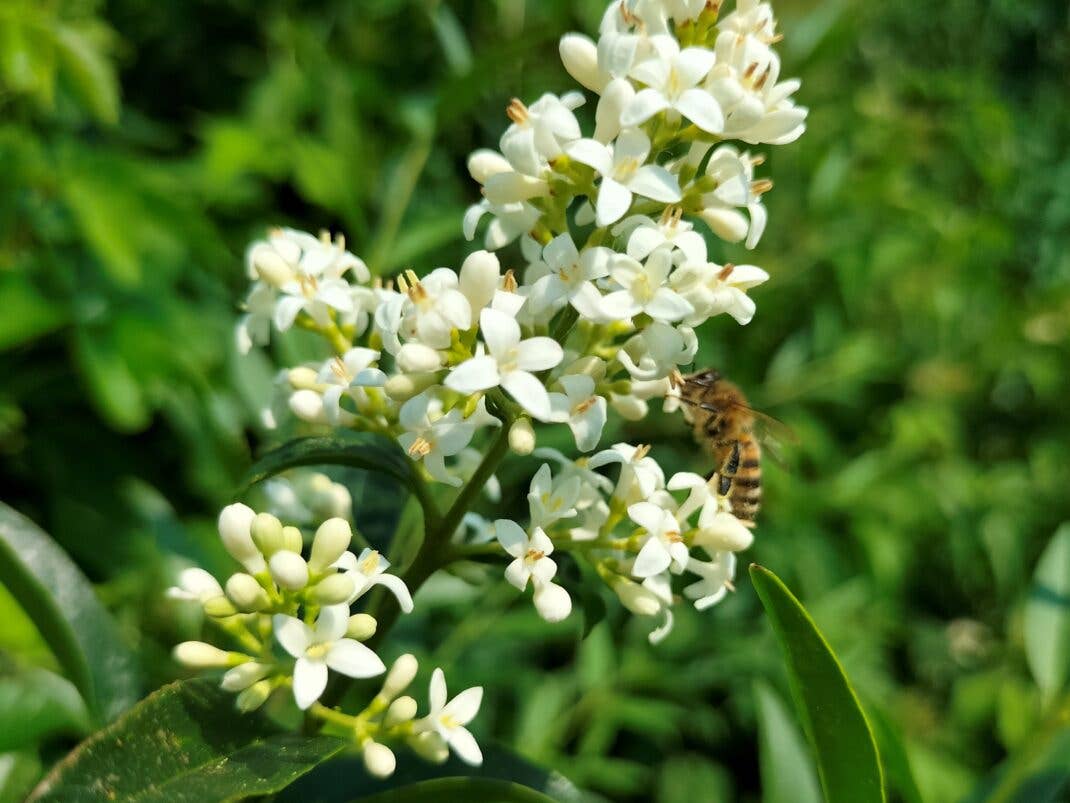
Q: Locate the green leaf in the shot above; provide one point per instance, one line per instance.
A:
(1047, 616)
(344, 779)
(185, 743)
(361, 450)
(846, 753)
(18, 773)
(895, 760)
(37, 704)
(460, 790)
(786, 767)
(77, 628)
(90, 75)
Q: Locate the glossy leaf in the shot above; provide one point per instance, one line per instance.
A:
(787, 770)
(184, 744)
(460, 790)
(1047, 616)
(37, 704)
(77, 628)
(845, 750)
(361, 450)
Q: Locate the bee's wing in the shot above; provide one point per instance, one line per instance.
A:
(771, 432)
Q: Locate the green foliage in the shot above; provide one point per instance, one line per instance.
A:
(843, 743)
(185, 742)
(1047, 617)
(80, 632)
(460, 790)
(914, 335)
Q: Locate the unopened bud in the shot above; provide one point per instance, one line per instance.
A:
(379, 760)
(728, 224)
(402, 387)
(331, 540)
(400, 676)
(361, 626)
(579, 54)
(418, 358)
(635, 598)
(267, 534)
(235, 522)
(484, 163)
(246, 594)
(308, 406)
(271, 267)
(429, 746)
(200, 655)
(479, 276)
(254, 696)
(334, 589)
(219, 607)
(244, 675)
(292, 539)
(401, 710)
(724, 533)
(302, 377)
(289, 570)
(522, 436)
(594, 367)
(629, 407)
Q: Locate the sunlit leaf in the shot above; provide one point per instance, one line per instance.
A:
(1047, 617)
(843, 743)
(79, 631)
(185, 743)
(788, 774)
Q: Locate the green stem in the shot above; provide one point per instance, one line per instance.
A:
(1021, 765)
(565, 321)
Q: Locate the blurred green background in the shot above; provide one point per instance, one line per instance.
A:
(915, 335)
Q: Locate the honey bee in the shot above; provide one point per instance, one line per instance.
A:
(723, 421)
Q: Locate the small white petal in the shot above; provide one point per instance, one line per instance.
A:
(310, 679)
(293, 634)
(478, 373)
(552, 602)
(352, 658)
(613, 201)
(464, 745)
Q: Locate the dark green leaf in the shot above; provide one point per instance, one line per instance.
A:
(76, 626)
(787, 770)
(361, 450)
(344, 779)
(894, 758)
(1047, 617)
(846, 753)
(89, 73)
(460, 790)
(184, 744)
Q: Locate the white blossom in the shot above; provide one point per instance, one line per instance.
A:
(716, 579)
(712, 289)
(644, 289)
(664, 545)
(566, 273)
(672, 78)
(368, 570)
(582, 409)
(447, 719)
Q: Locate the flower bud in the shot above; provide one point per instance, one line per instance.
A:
(269, 266)
(724, 533)
(429, 746)
(361, 626)
(267, 534)
(728, 224)
(629, 407)
(379, 760)
(483, 164)
(292, 540)
(400, 676)
(244, 675)
(334, 589)
(635, 598)
(302, 377)
(594, 367)
(219, 607)
(479, 277)
(579, 54)
(331, 540)
(308, 406)
(618, 94)
(511, 188)
(401, 710)
(552, 602)
(246, 594)
(200, 655)
(402, 387)
(289, 570)
(522, 436)
(329, 499)
(254, 696)
(417, 358)
(235, 522)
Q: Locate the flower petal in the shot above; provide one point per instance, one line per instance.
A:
(464, 745)
(613, 201)
(700, 108)
(511, 536)
(655, 182)
(436, 694)
(397, 587)
(529, 393)
(310, 679)
(593, 154)
(352, 658)
(464, 707)
(538, 354)
(552, 602)
(478, 373)
(293, 634)
(652, 559)
(643, 106)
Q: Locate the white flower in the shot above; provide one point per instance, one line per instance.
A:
(579, 55)
(640, 475)
(436, 307)
(652, 598)
(538, 131)
(716, 579)
(510, 221)
(549, 500)
(647, 235)
(433, 436)
(757, 109)
(736, 188)
(447, 719)
(617, 96)
(254, 328)
(369, 569)
(509, 364)
(712, 289)
(664, 545)
(531, 555)
(348, 375)
(624, 172)
(584, 411)
(195, 585)
(321, 648)
(644, 289)
(657, 350)
(566, 273)
(672, 77)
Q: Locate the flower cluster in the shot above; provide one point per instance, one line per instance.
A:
(612, 229)
(291, 618)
